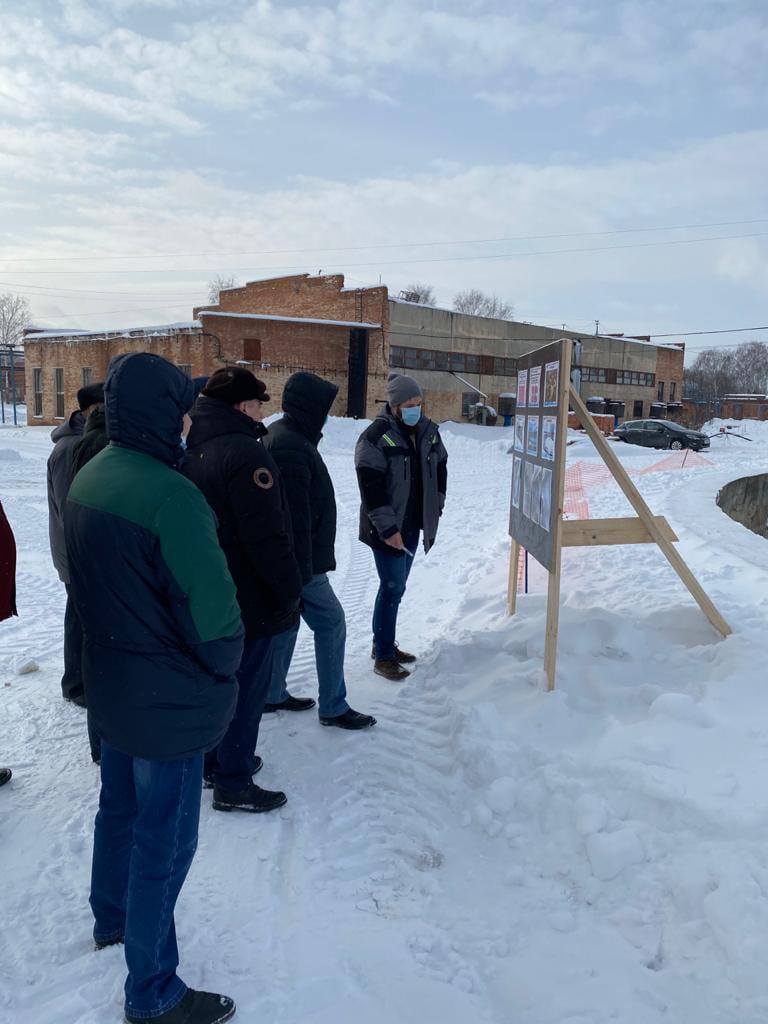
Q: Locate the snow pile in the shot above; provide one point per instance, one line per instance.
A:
(489, 852)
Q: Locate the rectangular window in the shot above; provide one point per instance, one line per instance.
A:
(672, 390)
(186, 369)
(252, 350)
(87, 376)
(638, 408)
(58, 389)
(37, 390)
(660, 391)
(410, 358)
(468, 398)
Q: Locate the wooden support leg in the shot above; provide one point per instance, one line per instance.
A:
(553, 622)
(637, 502)
(514, 559)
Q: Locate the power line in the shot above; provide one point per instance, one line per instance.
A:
(725, 330)
(483, 258)
(41, 290)
(389, 245)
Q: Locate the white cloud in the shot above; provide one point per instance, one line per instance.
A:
(647, 288)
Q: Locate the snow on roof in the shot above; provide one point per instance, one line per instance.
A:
(290, 319)
(69, 334)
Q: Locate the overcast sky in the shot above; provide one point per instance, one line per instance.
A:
(464, 143)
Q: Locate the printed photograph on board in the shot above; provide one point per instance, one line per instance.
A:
(532, 435)
(545, 511)
(519, 433)
(548, 436)
(517, 474)
(551, 381)
(522, 389)
(527, 479)
(534, 386)
(536, 494)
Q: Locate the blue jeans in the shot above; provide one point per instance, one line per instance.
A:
(393, 570)
(322, 612)
(144, 840)
(231, 763)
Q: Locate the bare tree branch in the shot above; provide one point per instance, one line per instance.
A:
(477, 303)
(219, 284)
(15, 315)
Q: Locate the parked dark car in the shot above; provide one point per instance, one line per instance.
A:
(661, 434)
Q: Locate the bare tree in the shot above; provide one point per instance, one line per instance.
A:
(424, 294)
(219, 284)
(717, 372)
(478, 303)
(15, 315)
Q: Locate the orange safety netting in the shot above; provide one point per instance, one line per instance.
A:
(583, 476)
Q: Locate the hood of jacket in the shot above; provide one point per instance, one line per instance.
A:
(307, 400)
(145, 398)
(72, 427)
(213, 418)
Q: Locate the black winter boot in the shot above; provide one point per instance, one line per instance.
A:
(257, 765)
(5, 775)
(291, 703)
(194, 1008)
(253, 799)
(349, 720)
(390, 669)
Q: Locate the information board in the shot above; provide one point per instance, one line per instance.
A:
(538, 460)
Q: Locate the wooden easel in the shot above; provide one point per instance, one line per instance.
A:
(645, 528)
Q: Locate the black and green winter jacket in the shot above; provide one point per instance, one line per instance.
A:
(402, 473)
(162, 631)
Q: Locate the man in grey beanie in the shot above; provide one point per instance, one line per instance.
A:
(402, 473)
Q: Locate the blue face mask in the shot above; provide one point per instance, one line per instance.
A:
(411, 415)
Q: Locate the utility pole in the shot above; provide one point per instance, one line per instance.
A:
(597, 327)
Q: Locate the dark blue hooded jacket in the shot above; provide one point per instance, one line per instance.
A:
(162, 631)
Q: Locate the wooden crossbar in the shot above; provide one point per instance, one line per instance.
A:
(579, 533)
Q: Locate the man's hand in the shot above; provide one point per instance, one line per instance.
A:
(395, 541)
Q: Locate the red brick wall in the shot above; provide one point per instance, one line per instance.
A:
(669, 368)
(324, 298)
(188, 347)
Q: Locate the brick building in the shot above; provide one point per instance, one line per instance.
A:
(744, 407)
(353, 336)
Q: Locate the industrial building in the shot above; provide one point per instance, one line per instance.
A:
(354, 337)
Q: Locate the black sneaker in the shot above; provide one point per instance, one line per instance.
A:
(5, 775)
(253, 799)
(349, 720)
(256, 767)
(291, 703)
(77, 698)
(194, 1008)
(390, 669)
(401, 657)
(109, 942)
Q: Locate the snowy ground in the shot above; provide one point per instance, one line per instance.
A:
(488, 853)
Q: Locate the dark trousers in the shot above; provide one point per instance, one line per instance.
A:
(72, 683)
(72, 680)
(231, 763)
(393, 570)
(144, 840)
